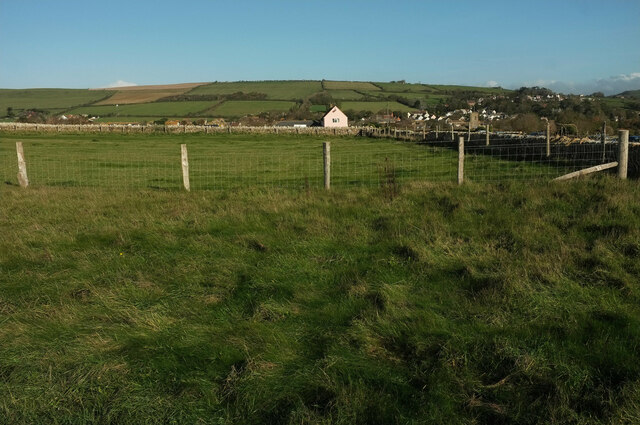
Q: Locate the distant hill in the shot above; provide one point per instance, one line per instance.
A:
(635, 94)
(234, 100)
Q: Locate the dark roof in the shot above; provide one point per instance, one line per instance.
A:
(331, 109)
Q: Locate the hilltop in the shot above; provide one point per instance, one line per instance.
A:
(366, 103)
(234, 100)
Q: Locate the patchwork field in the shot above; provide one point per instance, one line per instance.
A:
(345, 94)
(156, 109)
(50, 99)
(375, 106)
(349, 85)
(142, 101)
(143, 94)
(239, 108)
(279, 90)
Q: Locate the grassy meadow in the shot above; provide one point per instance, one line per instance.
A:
(48, 99)
(423, 303)
(225, 161)
(276, 90)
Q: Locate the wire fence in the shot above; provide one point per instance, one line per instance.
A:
(128, 166)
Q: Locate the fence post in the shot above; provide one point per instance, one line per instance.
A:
(469, 131)
(460, 159)
(548, 140)
(623, 155)
(22, 166)
(437, 129)
(452, 132)
(488, 130)
(326, 154)
(185, 168)
(604, 141)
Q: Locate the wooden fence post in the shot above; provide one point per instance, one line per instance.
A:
(185, 168)
(452, 133)
(488, 133)
(22, 166)
(460, 160)
(623, 153)
(548, 139)
(326, 154)
(604, 141)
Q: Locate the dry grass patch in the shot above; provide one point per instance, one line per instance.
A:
(143, 94)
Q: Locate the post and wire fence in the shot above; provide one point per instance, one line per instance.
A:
(346, 163)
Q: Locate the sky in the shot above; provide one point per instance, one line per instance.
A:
(572, 46)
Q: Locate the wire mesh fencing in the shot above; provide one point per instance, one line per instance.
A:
(158, 166)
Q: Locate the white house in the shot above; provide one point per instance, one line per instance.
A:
(335, 118)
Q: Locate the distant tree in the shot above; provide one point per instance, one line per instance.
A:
(10, 113)
(597, 94)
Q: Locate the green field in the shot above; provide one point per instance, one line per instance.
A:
(349, 85)
(375, 106)
(280, 90)
(429, 303)
(280, 97)
(157, 109)
(225, 161)
(345, 94)
(239, 108)
(58, 99)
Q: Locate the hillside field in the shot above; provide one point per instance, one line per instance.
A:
(483, 304)
(279, 96)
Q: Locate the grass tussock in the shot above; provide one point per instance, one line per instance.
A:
(406, 304)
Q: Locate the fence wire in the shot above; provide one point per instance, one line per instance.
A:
(125, 166)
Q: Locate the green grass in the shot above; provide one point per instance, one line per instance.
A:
(349, 85)
(223, 161)
(240, 108)
(429, 304)
(157, 109)
(404, 87)
(58, 99)
(375, 106)
(345, 94)
(318, 108)
(281, 90)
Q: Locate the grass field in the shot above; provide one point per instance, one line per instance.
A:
(223, 161)
(375, 106)
(345, 94)
(239, 108)
(434, 304)
(280, 90)
(58, 99)
(349, 85)
(157, 109)
(140, 101)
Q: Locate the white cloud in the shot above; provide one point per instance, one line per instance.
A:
(120, 83)
(612, 85)
(492, 84)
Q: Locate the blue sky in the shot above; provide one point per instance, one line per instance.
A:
(571, 45)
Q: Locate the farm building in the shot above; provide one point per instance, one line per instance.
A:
(335, 118)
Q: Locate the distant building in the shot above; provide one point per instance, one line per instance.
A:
(335, 118)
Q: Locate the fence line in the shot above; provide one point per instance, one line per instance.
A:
(166, 167)
(176, 129)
